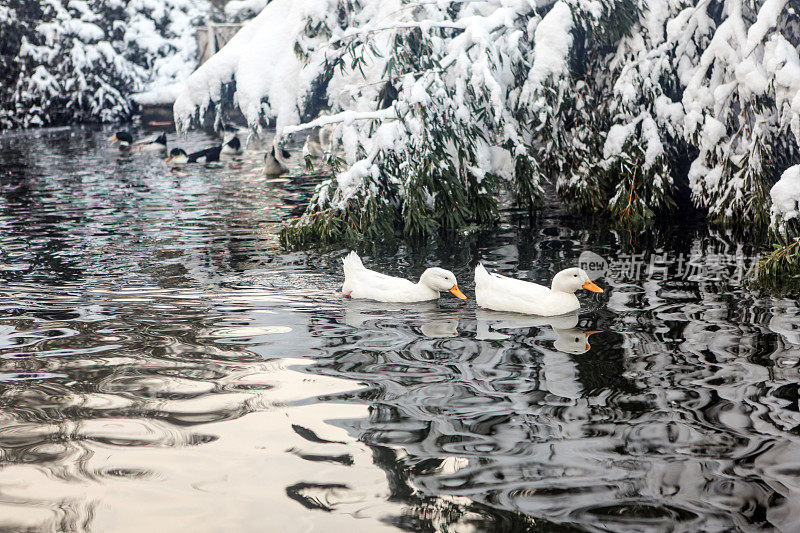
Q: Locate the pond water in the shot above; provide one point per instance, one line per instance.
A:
(165, 365)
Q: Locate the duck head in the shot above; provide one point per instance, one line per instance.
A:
(177, 156)
(572, 279)
(441, 280)
(123, 137)
(573, 340)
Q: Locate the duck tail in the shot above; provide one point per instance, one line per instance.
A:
(194, 156)
(352, 262)
(481, 274)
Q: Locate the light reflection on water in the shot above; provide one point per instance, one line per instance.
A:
(164, 365)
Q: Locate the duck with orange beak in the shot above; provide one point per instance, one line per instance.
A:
(360, 282)
(499, 293)
(155, 144)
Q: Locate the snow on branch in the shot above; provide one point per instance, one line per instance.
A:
(785, 196)
(261, 60)
(436, 106)
(345, 117)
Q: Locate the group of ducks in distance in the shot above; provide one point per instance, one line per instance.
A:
(492, 291)
(274, 160)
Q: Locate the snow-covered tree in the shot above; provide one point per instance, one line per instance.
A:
(80, 60)
(439, 107)
(779, 267)
(13, 26)
(240, 10)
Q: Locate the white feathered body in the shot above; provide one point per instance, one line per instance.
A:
(499, 293)
(150, 145)
(151, 148)
(361, 282)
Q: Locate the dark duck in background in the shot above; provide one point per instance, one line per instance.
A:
(274, 166)
(178, 156)
(155, 144)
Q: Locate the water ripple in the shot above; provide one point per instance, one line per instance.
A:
(164, 363)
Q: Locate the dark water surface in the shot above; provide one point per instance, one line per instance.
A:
(166, 366)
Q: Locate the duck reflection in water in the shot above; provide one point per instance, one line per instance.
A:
(432, 320)
(569, 338)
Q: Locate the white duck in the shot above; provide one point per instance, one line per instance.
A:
(500, 293)
(360, 282)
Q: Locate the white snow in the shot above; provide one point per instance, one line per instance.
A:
(713, 177)
(617, 137)
(237, 9)
(160, 94)
(272, 82)
(668, 111)
(85, 58)
(727, 82)
(502, 68)
(552, 43)
(713, 131)
(6, 13)
(263, 64)
(767, 19)
(785, 195)
(655, 148)
(174, 53)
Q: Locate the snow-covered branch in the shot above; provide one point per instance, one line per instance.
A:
(345, 117)
(437, 105)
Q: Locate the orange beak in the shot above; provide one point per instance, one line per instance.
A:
(457, 292)
(589, 286)
(113, 138)
(169, 159)
(587, 333)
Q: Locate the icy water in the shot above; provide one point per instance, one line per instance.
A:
(166, 366)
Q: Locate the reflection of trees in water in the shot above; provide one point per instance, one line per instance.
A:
(686, 405)
(73, 379)
(444, 401)
(74, 209)
(685, 410)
